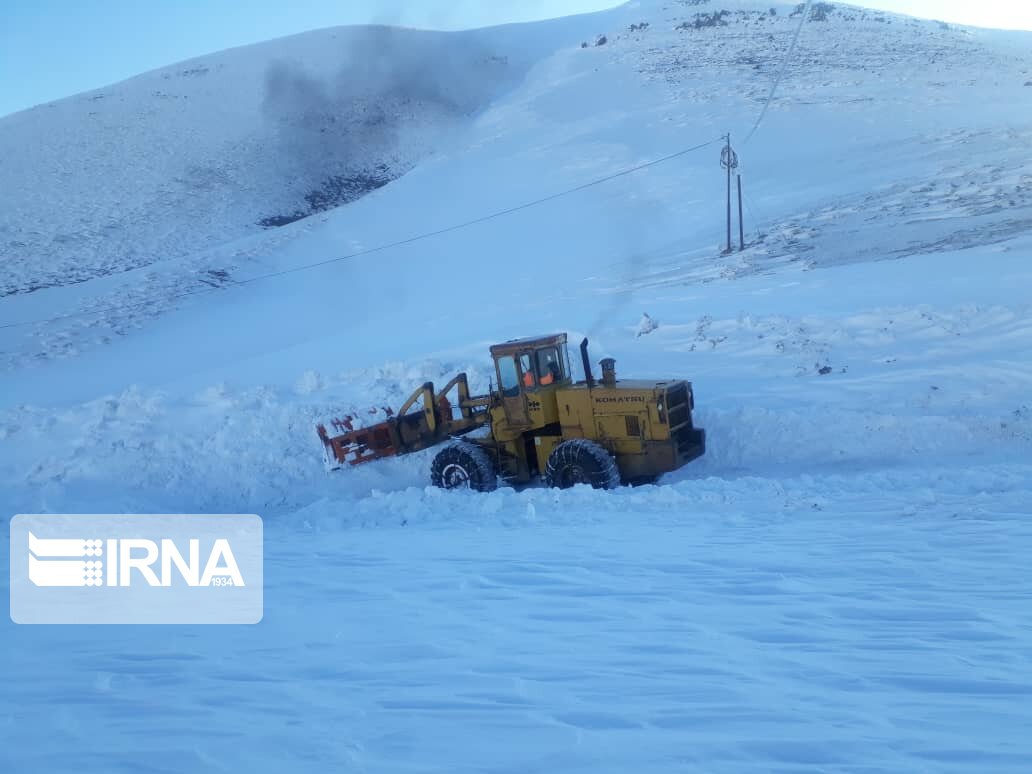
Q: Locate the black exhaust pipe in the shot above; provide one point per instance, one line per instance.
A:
(588, 378)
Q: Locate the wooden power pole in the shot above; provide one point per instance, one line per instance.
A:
(727, 148)
(729, 161)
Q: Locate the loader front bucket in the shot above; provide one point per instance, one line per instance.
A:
(424, 420)
(358, 446)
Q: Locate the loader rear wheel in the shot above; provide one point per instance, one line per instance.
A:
(580, 461)
(463, 465)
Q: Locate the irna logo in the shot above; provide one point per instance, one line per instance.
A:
(112, 562)
(136, 569)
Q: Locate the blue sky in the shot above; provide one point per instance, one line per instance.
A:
(53, 48)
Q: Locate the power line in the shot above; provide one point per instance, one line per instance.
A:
(752, 214)
(755, 212)
(389, 245)
(781, 71)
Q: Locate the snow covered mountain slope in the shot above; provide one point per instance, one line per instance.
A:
(872, 126)
(209, 150)
(840, 584)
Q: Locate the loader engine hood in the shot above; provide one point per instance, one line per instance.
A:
(646, 425)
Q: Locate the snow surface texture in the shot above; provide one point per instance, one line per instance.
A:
(840, 584)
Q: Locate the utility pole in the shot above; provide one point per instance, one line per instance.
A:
(729, 161)
(727, 148)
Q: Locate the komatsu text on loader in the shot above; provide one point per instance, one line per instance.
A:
(539, 422)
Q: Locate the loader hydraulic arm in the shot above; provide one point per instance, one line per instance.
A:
(426, 392)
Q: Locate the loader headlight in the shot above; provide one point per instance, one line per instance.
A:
(661, 411)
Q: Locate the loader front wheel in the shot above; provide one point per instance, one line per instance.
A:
(580, 461)
(463, 465)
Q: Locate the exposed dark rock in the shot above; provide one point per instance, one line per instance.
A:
(819, 12)
(333, 192)
(704, 20)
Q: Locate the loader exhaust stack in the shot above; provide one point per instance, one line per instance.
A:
(588, 378)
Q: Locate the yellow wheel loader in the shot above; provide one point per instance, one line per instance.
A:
(539, 421)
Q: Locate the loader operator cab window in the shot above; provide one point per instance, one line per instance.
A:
(508, 378)
(527, 369)
(549, 367)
